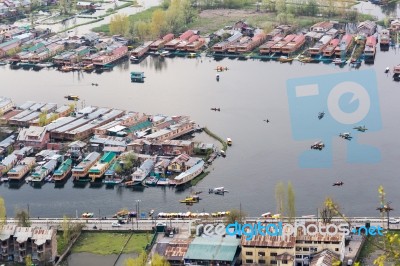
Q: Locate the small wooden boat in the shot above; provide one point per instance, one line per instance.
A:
(221, 68)
(217, 77)
(2, 63)
(190, 200)
(72, 97)
(229, 141)
(215, 109)
(285, 59)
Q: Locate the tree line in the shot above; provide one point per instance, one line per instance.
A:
(172, 17)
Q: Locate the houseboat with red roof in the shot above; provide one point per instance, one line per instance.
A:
(330, 49)
(266, 47)
(320, 45)
(196, 45)
(344, 45)
(140, 51)
(294, 45)
(155, 46)
(252, 43)
(370, 47)
(182, 45)
(111, 56)
(277, 48)
(222, 47)
(232, 48)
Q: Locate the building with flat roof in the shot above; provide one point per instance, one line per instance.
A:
(213, 251)
(36, 137)
(6, 104)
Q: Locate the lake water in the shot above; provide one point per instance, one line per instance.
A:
(262, 154)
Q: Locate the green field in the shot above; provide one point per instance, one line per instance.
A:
(110, 243)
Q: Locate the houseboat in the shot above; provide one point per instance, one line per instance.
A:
(329, 50)
(320, 45)
(80, 171)
(252, 43)
(18, 172)
(110, 175)
(343, 47)
(232, 48)
(277, 47)
(155, 46)
(183, 45)
(97, 171)
(370, 47)
(222, 47)
(43, 171)
(294, 45)
(172, 45)
(142, 172)
(384, 38)
(137, 77)
(62, 172)
(111, 56)
(139, 52)
(266, 47)
(190, 174)
(196, 45)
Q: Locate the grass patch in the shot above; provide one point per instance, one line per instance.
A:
(199, 178)
(143, 16)
(61, 244)
(370, 246)
(211, 134)
(110, 243)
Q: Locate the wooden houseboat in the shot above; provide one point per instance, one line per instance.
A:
(110, 57)
(17, 173)
(294, 45)
(253, 43)
(62, 172)
(97, 171)
(88, 59)
(140, 51)
(110, 177)
(266, 47)
(183, 38)
(155, 46)
(222, 47)
(370, 47)
(80, 171)
(183, 45)
(320, 45)
(196, 45)
(384, 38)
(43, 171)
(277, 47)
(190, 174)
(329, 50)
(344, 45)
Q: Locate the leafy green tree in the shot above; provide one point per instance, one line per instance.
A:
(142, 30)
(139, 261)
(119, 24)
(158, 260)
(280, 6)
(28, 260)
(280, 197)
(158, 23)
(3, 212)
(235, 216)
(43, 119)
(22, 217)
(291, 202)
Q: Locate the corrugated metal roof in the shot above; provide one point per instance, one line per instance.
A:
(213, 248)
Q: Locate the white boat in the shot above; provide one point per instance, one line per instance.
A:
(229, 141)
(4, 179)
(164, 53)
(218, 190)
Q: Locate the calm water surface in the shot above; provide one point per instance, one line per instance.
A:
(262, 154)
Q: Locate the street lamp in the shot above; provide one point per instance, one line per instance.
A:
(386, 208)
(137, 213)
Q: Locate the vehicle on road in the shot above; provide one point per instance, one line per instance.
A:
(394, 221)
(115, 225)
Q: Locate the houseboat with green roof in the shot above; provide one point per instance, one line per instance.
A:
(62, 172)
(80, 172)
(110, 176)
(97, 171)
(137, 77)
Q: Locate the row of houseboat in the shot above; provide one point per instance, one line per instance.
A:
(189, 41)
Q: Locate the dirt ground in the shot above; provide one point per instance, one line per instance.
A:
(212, 13)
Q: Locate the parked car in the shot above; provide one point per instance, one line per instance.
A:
(394, 221)
(161, 224)
(115, 225)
